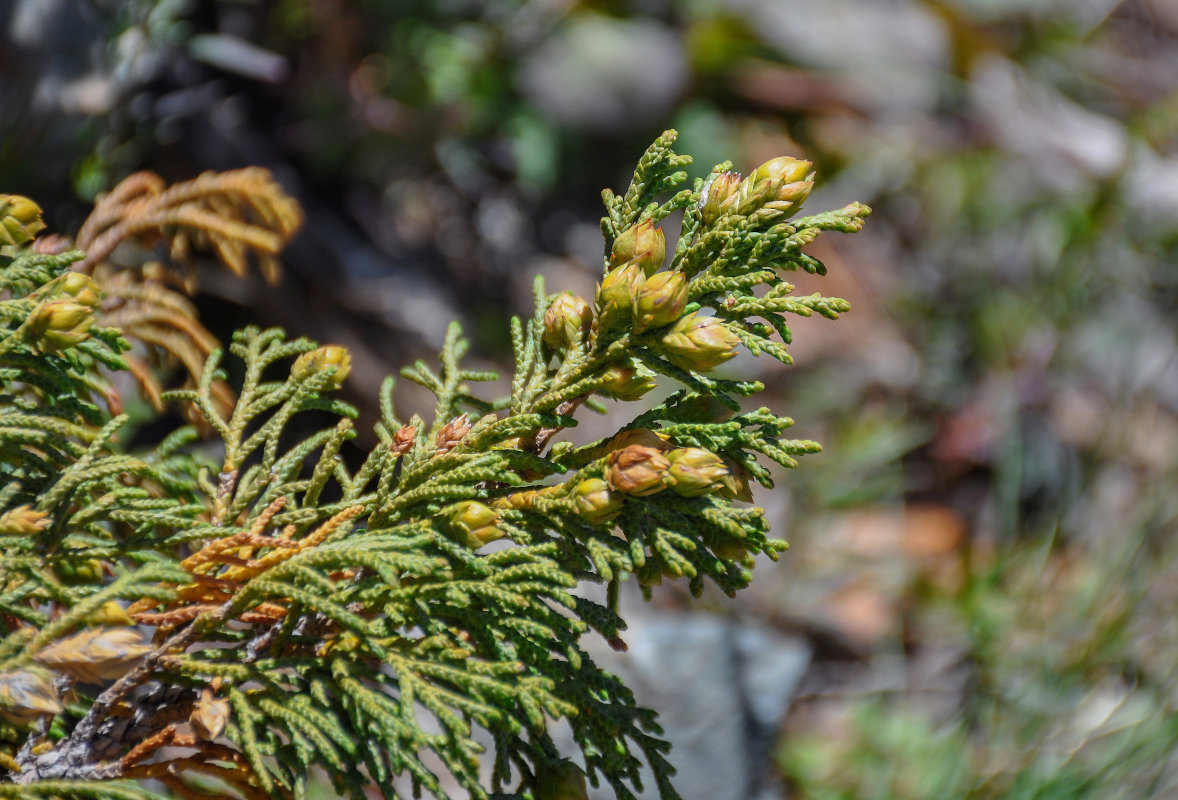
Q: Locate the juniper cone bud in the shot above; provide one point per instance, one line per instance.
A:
(80, 288)
(695, 472)
(615, 296)
(660, 300)
(625, 383)
(564, 781)
(319, 359)
(795, 193)
(566, 315)
(595, 502)
(719, 188)
(60, 323)
(781, 179)
(699, 343)
(637, 470)
(643, 244)
(20, 219)
(23, 521)
(782, 170)
(474, 524)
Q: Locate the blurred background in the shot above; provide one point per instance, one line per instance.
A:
(981, 596)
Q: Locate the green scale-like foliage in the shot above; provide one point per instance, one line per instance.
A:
(360, 623)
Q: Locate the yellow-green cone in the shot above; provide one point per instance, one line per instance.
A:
(319, 359)
(626, 383)
(58, 324)
(782, 170)
(567, 315)
(80, 288)
(20, 219)
(642, 244)
(784, 180)
(719, 188)
(615, 296)
(660, 300)
(595, 502)
(699, 343)
(695, 472)
(474, 524)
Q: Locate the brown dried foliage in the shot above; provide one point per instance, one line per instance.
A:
(96, 655)
(221, 568)
(238, 215)
(232, 213)
(452, 434)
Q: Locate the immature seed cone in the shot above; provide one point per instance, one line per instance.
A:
(626, 383)
(23, 521)
(637, 470)
(20, 219)
(595, 502)
(528, 498)
(322, 358)
(567, 315)
(699, 343)
(782, 170)
(563, 781)
(794, 194)
(642, 244)
(474, 524)
(783, 180)
(58, 324)
(80, 288)
(26, 694)
(615, 296)
(659, 300)
(719, 188)
(695, 472)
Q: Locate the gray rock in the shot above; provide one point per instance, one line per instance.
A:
(1064, 143)
(721, 687)
(607, 74)
(887, 55)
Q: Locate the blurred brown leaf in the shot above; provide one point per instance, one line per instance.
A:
(96, 655)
